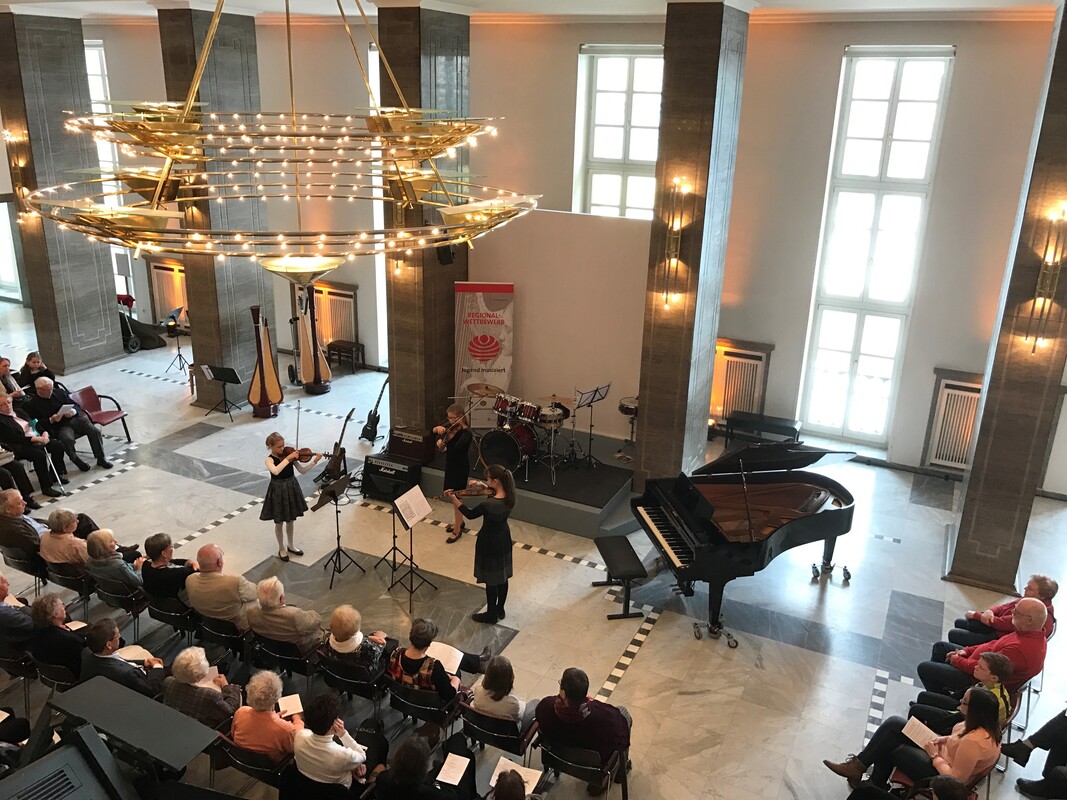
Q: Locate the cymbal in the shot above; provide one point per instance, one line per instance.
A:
(484, 389)
(556, 398)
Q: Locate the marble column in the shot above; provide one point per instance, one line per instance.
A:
(704, 57)
(430, 55)
(1019, 399)
(219, 294)
(69, 280)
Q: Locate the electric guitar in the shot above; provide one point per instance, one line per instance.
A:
(370, 430)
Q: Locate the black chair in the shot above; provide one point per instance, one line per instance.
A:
(30, 563)
(226, 634)
(504, 734)
(269, 653)
(120, 596)
(585, 765)
(75, 578)
(423, 705)
(172, 611)
(354, 680)
(18, 664)
(224, 752)
(295, 785)
(56, 677)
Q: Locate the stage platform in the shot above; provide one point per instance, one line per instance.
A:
(585, 501)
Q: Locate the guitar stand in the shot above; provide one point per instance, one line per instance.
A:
(390, 555)
(413, 572)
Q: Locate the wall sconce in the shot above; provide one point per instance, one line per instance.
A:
(679, 190)
(1047, 279)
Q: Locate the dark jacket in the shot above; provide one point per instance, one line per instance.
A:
(11, 433)
(41, 408)
(15, 624)
(120, 671)
(17, 532)
(206, 706)
(54, 645)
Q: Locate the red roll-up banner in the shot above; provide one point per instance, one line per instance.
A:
(484, 334)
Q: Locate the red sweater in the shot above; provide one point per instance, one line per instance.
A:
(598, 726)
(1002, 617)
(1025, 650)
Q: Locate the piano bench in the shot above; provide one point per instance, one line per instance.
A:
(623, 566)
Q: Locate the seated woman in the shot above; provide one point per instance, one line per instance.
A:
(972, 748)
(60, 545)
(55, 643)
(510, 786)
(210, 702)
(258, 726)
(106, 562)
(162, 574)
(408, 776)
(411, 666)
(493, 695)
(347, 644)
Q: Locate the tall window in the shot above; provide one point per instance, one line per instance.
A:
(617, 136)
(889, 122)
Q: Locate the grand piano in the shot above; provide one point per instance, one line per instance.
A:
(735, 515)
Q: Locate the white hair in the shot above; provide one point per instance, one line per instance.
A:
(190, 665)
(270, 592)
(44, 381)
(263, 690)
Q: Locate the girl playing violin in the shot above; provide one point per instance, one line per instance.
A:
(455, 442)
(284, 501)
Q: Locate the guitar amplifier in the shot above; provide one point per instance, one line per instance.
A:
(413, 443)
(386, 477)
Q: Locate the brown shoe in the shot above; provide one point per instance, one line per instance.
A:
(851, 769)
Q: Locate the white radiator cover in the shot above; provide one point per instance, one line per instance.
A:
(737, 382)
(954, 423)
(335, 313)
(168, 291)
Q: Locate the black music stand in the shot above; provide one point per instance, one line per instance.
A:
(175, 333)
(332, 494)
(401, 509)
(587, 400)
(390, 555)
(223, 376)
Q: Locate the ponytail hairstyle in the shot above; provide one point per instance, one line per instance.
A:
(507, 480)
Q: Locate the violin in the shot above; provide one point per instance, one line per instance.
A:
(305, 454)
(474, 489)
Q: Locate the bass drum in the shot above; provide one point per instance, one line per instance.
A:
(509, 448)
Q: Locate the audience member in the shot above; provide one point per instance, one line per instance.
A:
(942, 787)
(161, 574)
(409, 776)
(219, 596)
(972, 748)
(322, 759)
(13, 730)
(1051, 736)
(17, 436)
(103, 640)
(574, 719)
(59, 545)
(18, 529)
(9, 382)
(258, 726)
(275, 620)
(977, 627)
(32, 369)
(941, 712)
(55, 643)
(47, 404)
(510, 786)
(493, 695)
(16, 624)
(210, 701)
(411, 666)
(106, 562)
(952, 667)
(347, 644)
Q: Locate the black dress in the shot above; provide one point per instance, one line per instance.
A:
(284, 501)
(492, 550)
(457, 460)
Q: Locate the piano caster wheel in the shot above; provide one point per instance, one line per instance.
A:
(697, 633)
(846, 574)
(731, 642)
(815, 571)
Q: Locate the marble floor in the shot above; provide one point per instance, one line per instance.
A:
(818, 662)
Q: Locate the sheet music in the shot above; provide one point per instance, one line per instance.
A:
(530, 777)
(11, 600)
(413, 507)
(453, 768)
(76, 624)
(290, 705)
(447, 655)
(918, 732)
(207, 371)
(208, 681)
(133, 652)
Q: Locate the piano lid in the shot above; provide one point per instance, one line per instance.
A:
(772, 457)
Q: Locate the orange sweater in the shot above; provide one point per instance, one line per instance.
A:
(265, 732)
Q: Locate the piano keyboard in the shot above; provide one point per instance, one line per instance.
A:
(671, 542)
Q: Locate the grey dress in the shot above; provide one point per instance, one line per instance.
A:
(492, 550)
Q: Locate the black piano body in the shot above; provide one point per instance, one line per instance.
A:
(735, 515)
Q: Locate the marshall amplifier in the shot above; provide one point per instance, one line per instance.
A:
(412, 443)
(386, 477)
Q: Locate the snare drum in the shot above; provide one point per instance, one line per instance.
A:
(527, 411)
(628, 406)
(552, 416)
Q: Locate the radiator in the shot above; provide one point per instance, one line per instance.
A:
(953, 429)
(335, 313)
(168, 291)
(737, 382)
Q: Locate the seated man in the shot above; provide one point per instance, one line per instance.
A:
(162, 574)
(46, 405)
(16, 625)
(976, 627)
(188, 689)
(574, 719)
(951, 667)
(321, 758)
(19, 529)
(941, 712)
(102, 640)
(13, 476)
(275, 620)
(1052, 736)
(218, 596)
(17, 436)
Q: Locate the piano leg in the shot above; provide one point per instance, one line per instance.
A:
(715, 629)
(827, 566)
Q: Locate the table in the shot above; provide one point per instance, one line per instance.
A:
(142, 725)
(754, 427)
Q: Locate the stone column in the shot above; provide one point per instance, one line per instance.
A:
(219, 294)
(1018, 406)
(430, 55)
(704, 57)
(69, 280)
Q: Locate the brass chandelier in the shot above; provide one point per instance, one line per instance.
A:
(385, 154)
